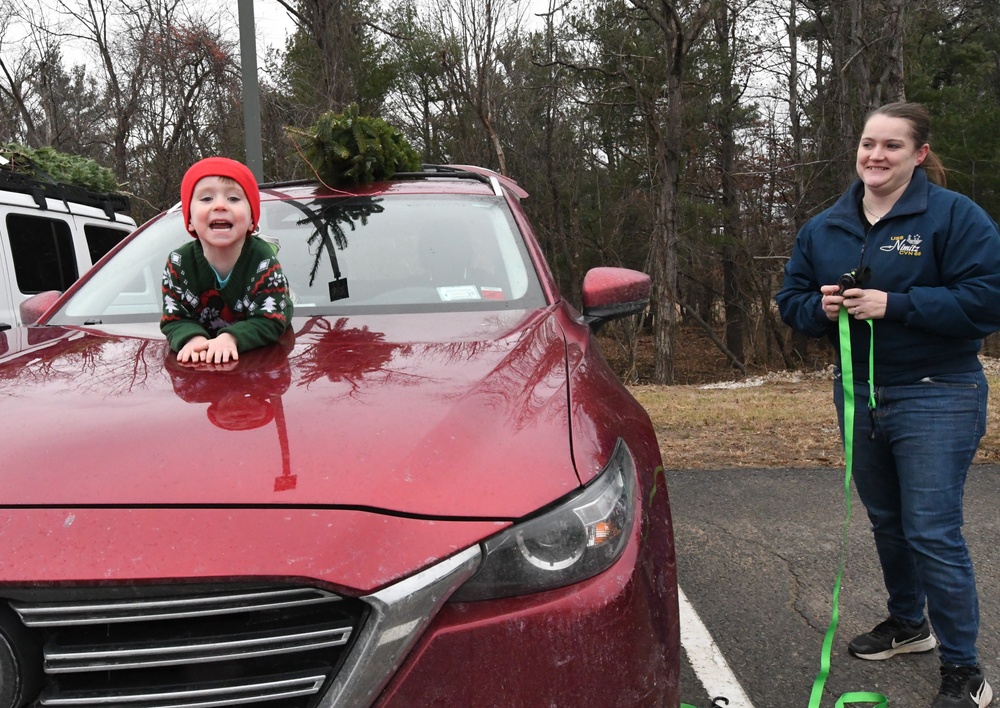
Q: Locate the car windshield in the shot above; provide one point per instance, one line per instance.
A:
(392, 253)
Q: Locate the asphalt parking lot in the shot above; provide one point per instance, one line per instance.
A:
(757, 556)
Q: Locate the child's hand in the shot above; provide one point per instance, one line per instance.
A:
(205, 366)
(193, 350)
(221, 350)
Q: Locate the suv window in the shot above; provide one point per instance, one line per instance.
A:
(101, 239)
(42, 250)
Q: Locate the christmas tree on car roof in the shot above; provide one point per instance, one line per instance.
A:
(349, 148)
(49, 173)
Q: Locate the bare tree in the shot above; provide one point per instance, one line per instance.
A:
(116, 34)
(798, 212)
(474, 33)
(190, 103)
(19, 56)
(680, 24)
(725, 118)
(560, 170)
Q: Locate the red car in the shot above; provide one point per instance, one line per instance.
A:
(433, 492)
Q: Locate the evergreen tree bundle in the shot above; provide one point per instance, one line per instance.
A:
(47, 162)
(348, 148)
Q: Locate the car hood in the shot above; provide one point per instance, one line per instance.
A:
(454, 415)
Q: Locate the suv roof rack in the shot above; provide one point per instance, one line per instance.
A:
(40, 190)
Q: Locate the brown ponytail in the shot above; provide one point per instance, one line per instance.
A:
(935, 170)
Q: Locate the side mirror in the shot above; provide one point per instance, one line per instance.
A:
(35, 306)
(611, 293)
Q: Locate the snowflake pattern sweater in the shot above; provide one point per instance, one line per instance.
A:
(254, 305)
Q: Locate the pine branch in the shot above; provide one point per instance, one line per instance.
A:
(348, 148)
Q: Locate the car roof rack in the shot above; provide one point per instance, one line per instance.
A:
(427, 172)
(431, 171)
(455, 172)
(41, 189)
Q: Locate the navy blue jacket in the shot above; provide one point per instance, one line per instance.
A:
(936, 254)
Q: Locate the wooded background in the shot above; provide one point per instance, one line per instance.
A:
(686, 139)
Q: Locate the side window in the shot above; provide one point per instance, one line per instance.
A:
(42, 250)
(101, 239)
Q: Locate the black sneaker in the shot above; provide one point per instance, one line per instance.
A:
(892, 637)
(963, 687)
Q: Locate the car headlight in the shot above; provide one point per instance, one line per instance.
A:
(574, 541)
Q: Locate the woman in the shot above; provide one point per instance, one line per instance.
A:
(924, 267)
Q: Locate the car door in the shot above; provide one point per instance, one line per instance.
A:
(40, 253)
(7, 314)
(100, 236)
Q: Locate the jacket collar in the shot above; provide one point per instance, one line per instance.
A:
(913, 200)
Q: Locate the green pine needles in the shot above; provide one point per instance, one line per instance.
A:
(348, 148)
(47, 162)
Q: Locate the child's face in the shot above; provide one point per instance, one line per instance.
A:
(220, 212)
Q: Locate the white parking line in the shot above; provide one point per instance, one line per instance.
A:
(706, 659)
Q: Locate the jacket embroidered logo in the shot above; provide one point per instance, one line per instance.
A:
(904, 245)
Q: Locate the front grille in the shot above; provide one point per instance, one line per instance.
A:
(186, 646)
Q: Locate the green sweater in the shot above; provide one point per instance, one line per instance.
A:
(254, 305)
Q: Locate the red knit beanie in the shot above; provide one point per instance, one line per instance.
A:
(219, 167)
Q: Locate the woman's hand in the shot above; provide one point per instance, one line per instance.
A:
(861, 303)
(832, 301)
(865, 304)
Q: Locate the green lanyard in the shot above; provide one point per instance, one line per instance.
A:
(847, 371)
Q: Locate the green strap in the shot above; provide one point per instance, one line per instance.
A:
(847, 371)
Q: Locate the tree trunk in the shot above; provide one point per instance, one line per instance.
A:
(735, 311)
(669, 137)
(800, 343)
(892, 77)
(665, 234)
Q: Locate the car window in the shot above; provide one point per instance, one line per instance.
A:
(101, 239)
(394, 253)
(43, 254)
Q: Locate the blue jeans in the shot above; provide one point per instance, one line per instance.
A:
(909, 465)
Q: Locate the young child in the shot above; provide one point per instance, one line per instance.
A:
(224, 292)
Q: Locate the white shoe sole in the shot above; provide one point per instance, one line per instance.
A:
(911, 648)
(986, 696)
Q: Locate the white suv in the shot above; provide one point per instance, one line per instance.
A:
(50, 234)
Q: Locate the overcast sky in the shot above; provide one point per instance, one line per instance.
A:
(273, 27)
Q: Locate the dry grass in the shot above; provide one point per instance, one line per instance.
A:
(788, 420)
(784, 422)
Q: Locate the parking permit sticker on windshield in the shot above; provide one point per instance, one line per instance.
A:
(458, 292)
